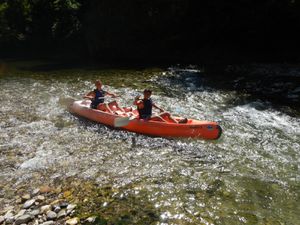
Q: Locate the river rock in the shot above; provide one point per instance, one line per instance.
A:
(19, 201)
(1, 219)
(45, 189)
(56, 209)
(28, 203)
(35, 191)
(9, 217)
(23, 219)
(63, 204)
(70, 208)
(73, 221)
(40, 198)
(50, 222)
(25, 197)
(62, 213)
(91, 219)
(51, 215)
(45, 208)
(20, 213)
(35, 212)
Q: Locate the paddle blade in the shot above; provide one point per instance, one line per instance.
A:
(121, 121)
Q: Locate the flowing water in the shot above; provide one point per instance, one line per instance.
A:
(249, 176)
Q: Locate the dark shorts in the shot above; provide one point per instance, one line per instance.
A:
(145, 117)
(93, 106)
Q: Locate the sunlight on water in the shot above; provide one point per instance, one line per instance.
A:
(250, 175)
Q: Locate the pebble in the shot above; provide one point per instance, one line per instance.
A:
(8, 214)
(20, 213)
(35, 212)
(70, 208)
(1, 219)
(51, 215)
(64, 204)
(73, 221)
(62, 213)
(45, 189)
(91, 219)
(57, 209)
(45, 208)
(19, 201)
(25, 197)
(40, 198)
(9, 217)
(50, 222)
(23, 219)
(28, 203)
(35, 191)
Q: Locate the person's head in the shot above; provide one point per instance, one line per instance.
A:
(147, 93)
(98, 84)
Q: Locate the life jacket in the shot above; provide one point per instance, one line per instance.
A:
(99, 98)
(146, 112)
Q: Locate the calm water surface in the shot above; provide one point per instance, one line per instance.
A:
(249, 176)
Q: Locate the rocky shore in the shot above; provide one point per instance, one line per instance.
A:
(42, 206)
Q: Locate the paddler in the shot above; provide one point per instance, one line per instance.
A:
(145, 105)
(97, 97)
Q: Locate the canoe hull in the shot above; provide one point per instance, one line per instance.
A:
(193, 129)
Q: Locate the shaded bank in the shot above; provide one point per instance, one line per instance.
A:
(169, 31)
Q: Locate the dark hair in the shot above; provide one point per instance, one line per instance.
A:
(147, 91)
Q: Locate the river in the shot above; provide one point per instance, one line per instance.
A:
(249, 176)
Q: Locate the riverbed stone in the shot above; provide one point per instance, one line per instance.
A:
(35, 192)
(45, 189)
(73, 221)
(40, 198)
(70, 208)
(50, 222)
(20, 213)
(45, 208)
(1, 219)
(91, 219)
(25, 197)
(23, 219)
(9, 217)
(56, 209)
(19, 201)
(28, 203)
(63, 204)
(51, 215)
(62, 213)
(35, 212)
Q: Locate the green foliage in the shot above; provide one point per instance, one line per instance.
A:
(150, 29)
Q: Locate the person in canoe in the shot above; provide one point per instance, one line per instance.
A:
(97, 97)
(145, 105)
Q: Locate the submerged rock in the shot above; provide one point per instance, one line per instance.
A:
(40, 198)
(51, 222)
(23, 219)
(28, 203)
(45, 208)
(20, 213)
(35, 212)
(1, 219)
(62, 213)
(26, 197)
(51, 215)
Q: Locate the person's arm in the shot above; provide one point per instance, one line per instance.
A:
(110, 94)
(137, 100)
(155, 106)
(90, 95)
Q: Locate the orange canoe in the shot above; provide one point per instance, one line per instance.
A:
(193, 128)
